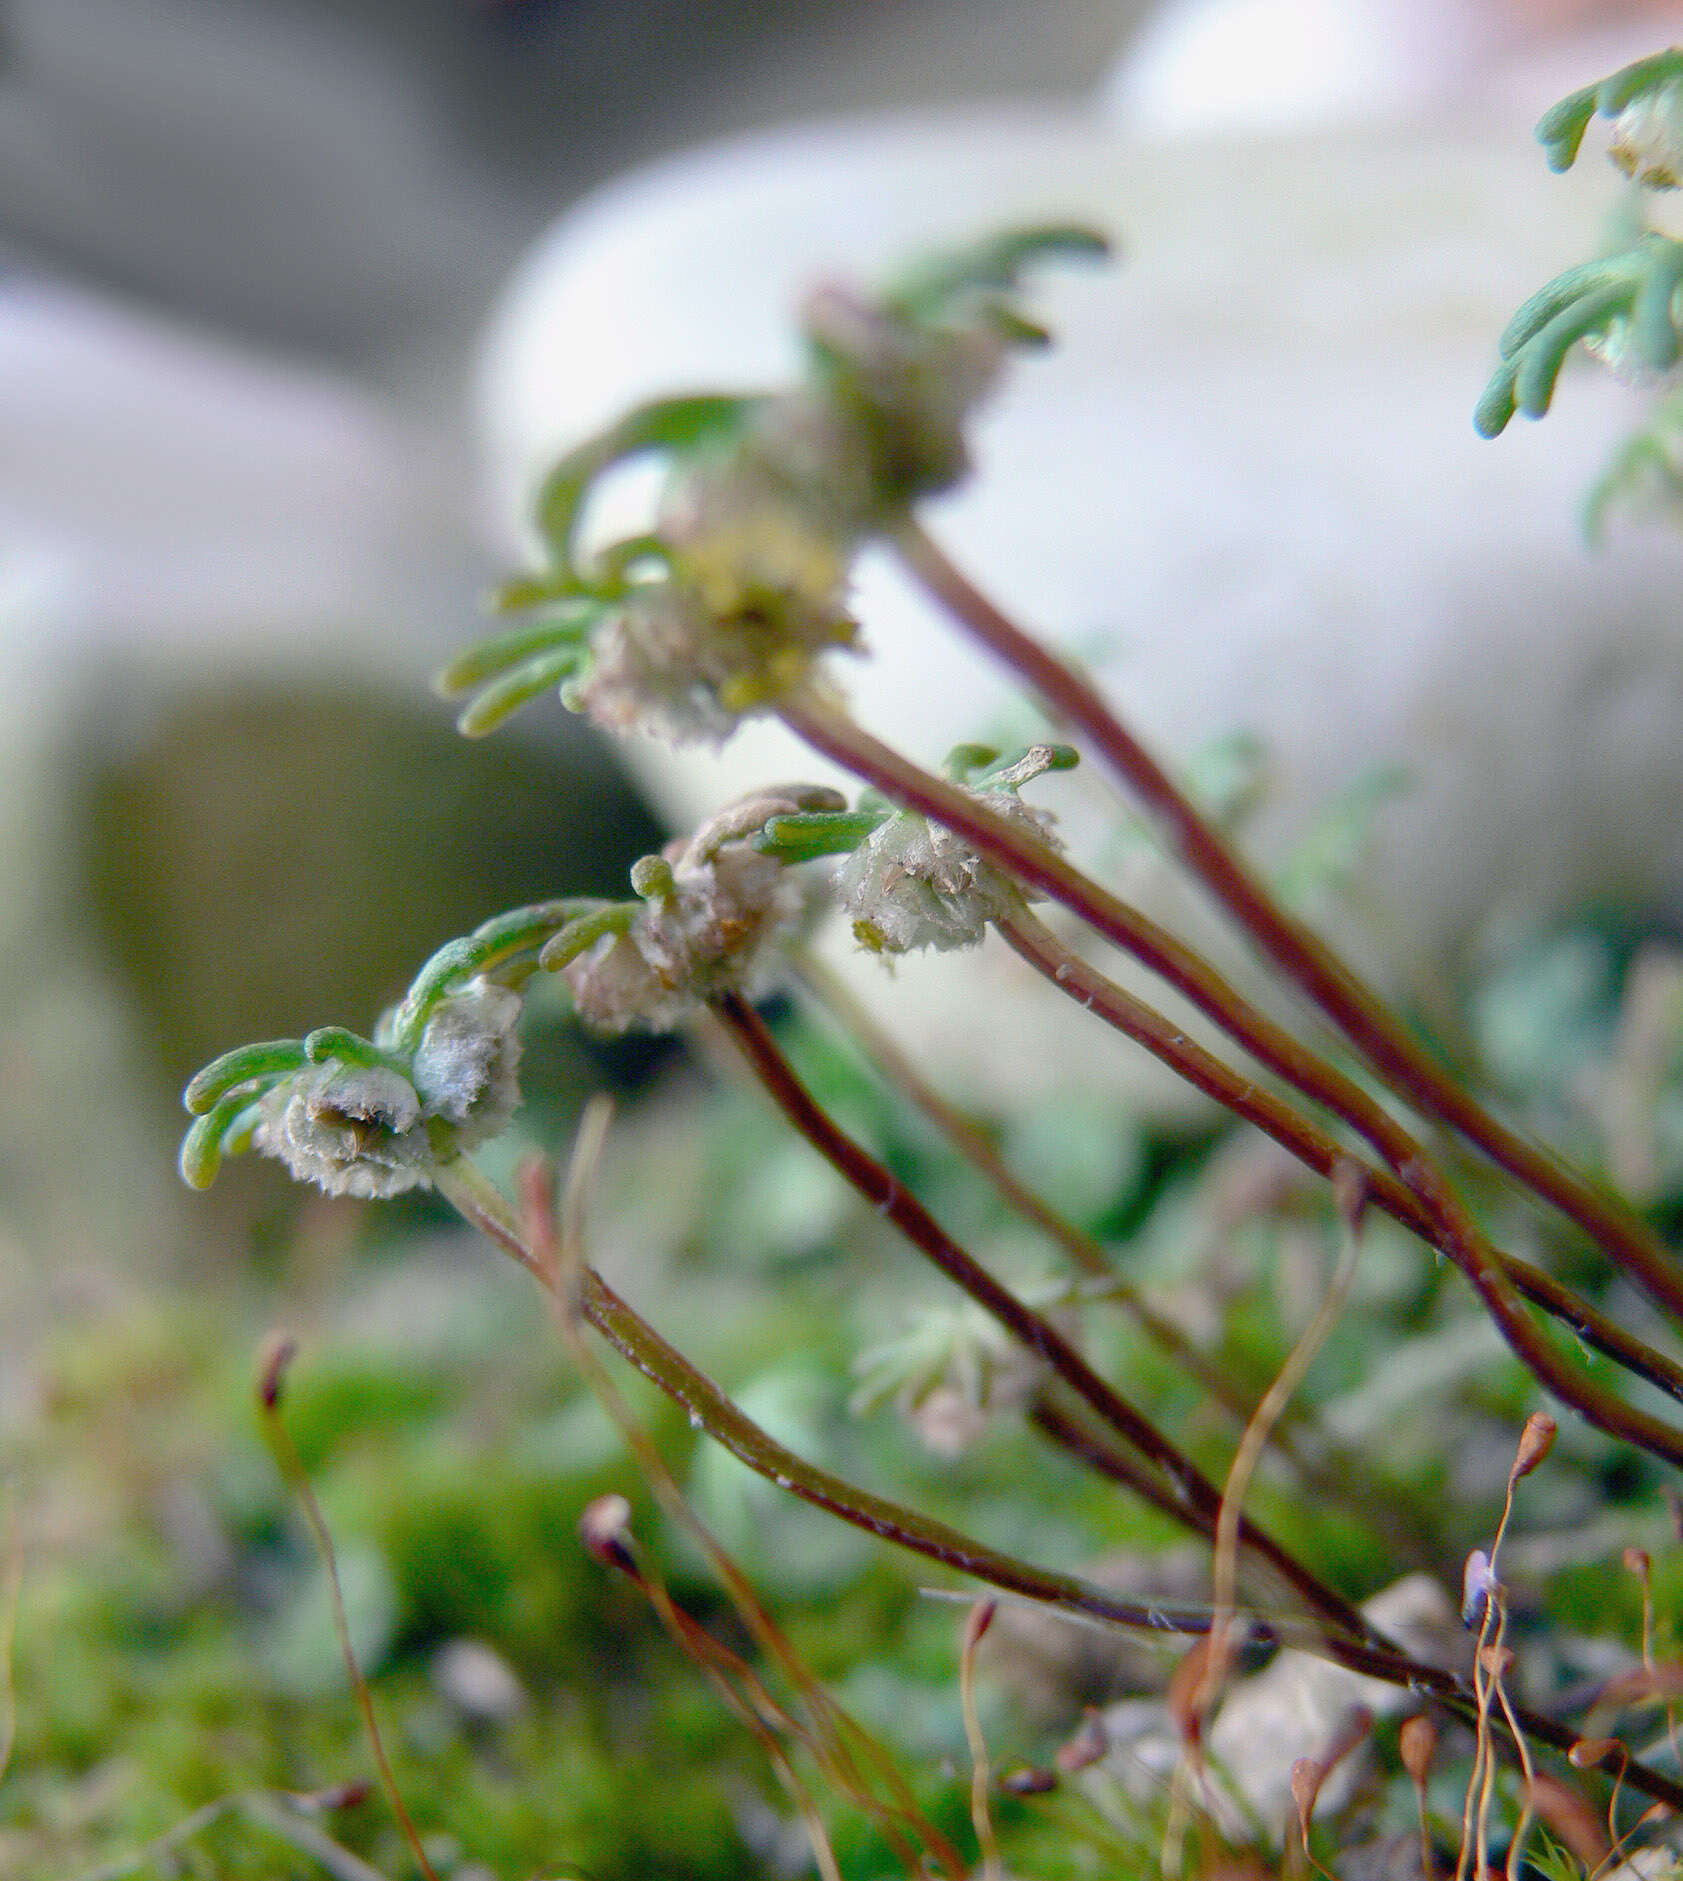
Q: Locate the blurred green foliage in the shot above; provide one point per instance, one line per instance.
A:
(173, 1643)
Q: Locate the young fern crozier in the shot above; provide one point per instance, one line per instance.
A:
(727, 605)
(1626, 306)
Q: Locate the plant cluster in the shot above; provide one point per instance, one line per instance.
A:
(1626, 305)
(730, 603)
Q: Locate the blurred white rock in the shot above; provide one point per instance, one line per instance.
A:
(1297, 1706)
(176, 513)
(1296, 65)
(178, 500)
(1293, 65)
(1244, 487)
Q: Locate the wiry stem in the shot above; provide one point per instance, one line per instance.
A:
(1037, 865)
(1100, 1452)
(1410, 1189)
(835, 1741)
(700, 1399)
(1343, 1477)
(1299, 954)
(972, 1142)
(1305, 1139)
(1454, 1233)
(1197, 1498)
(640, 1345)
(1224, 1575)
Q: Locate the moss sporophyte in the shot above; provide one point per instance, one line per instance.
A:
(727, 604)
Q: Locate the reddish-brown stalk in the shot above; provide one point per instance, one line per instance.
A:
(974, 1144)
(1305, 1139)
(1224, 1576)
(709, 1409)
(270, 1377)
(828, 1733)
(1021, 852)
(1100, 1452)
(1341, 1476)
(1040, 867)
(753, 1705)
(483, 1208)
(1300, 955)
(1197, 1498)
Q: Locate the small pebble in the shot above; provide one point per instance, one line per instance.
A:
(473, 1678)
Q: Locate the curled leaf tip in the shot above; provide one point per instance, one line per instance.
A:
(1561, 128)
(239, 1066)
(201, 1154)
(808, 835)
(335, 1042)
(1496, 405)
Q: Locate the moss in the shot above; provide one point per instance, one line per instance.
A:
(348, 1396)
(477, 1548)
